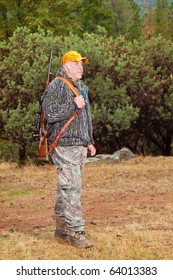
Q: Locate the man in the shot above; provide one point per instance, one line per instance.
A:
(59, 104)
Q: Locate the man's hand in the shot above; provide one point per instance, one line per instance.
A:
(91, 150)
(79, 100)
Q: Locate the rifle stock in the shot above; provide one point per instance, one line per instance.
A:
(43, 143)
(43, 133)
(43, 149)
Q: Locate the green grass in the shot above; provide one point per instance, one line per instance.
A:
(8, 191)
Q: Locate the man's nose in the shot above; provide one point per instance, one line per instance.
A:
(80, 66)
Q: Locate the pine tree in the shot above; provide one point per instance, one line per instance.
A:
(148, 27)
(161, 19)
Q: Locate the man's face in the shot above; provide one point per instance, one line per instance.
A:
(74, 69)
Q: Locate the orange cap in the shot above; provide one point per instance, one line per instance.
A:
(72, 56)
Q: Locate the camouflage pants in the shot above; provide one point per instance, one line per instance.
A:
(69, 162)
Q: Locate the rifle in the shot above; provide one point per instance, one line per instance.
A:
(43, 133)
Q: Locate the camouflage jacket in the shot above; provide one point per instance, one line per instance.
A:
(59, 106)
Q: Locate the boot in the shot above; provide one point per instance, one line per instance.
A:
(60, 234)
(61, 230)
(78, 239)
(75, 238)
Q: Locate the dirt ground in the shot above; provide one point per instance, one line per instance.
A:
(134, 192)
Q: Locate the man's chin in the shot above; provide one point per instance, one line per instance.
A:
(79, 76)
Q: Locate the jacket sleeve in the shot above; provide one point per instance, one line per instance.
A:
(90, 126)
(58, 102)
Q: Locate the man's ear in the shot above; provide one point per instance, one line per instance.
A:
(67, 67)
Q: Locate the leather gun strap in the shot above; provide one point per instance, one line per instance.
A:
(69, 84)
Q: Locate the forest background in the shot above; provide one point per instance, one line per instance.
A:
(130, 49)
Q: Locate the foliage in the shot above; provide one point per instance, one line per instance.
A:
(127, 21)
(65, 16)
(23, 81)
(152, 3)
(159, 20)
(56, 16)
(94, 14)
(163, 19)
(59, 17)
(146, 72)
(131, 88)
(23, 68)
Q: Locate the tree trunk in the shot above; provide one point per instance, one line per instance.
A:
(167, 144)
(22, 153)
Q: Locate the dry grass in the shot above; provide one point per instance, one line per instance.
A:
(128, 208)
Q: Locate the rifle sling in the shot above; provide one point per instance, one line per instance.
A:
(53, 145)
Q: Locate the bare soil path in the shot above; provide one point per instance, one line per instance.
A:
(137, 191)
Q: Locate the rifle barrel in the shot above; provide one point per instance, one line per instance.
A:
(50, 61)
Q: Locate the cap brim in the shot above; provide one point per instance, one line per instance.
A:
(84, 59)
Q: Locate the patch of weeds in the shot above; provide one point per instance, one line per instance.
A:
(107, 250)
(14, 229)
(22, 191)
